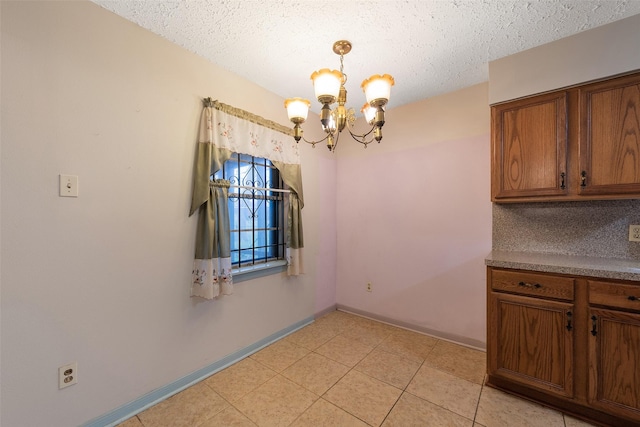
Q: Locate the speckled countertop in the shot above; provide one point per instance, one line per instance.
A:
(609, 268)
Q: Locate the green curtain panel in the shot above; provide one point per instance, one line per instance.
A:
(292, 177)
(211, 273)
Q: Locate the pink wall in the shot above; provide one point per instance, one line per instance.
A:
(319, 216)
(325, 262)
(414, 219)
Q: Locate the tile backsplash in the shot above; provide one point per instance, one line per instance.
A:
(589, 228)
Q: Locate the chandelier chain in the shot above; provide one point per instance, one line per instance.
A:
(344, 76)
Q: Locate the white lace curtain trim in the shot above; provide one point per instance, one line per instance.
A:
(242, 136)
(211, 278)
(295, 261)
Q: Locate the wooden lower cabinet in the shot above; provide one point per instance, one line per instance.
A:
(532, 342)
(572, 343)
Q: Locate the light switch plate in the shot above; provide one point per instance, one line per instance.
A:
(68, 186)
(634, 233)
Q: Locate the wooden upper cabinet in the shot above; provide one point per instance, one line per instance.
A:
(580, 143)
(610, 137)
(529, 147)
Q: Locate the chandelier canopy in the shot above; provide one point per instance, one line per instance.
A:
(329, 88)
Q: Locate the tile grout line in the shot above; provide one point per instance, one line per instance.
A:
(326, 391)
(440, 370)
(448, 373)
(320, 397)
(403, 391)
(475, 414)
(250, 391)
(231, 403)
(353, 368)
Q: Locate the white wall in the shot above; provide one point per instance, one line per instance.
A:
(414, 217)
(593, 54)
(104, 279)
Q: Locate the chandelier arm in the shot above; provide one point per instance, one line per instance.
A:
(362, 139)
(364, 135)
(313, 143)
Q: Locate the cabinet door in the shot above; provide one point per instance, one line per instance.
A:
(529, 147)
(610, 137)
(531, 342)
(614, 362)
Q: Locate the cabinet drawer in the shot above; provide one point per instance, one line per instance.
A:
(614, 295)
(532, 284)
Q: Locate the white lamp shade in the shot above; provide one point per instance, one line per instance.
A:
(378, 88)
(297, 109)
(369, 113)
(326, 83)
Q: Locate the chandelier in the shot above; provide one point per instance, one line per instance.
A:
(329, 88)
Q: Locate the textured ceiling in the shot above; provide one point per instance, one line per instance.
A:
(429, 46)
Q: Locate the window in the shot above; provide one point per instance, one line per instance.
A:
(255, 213)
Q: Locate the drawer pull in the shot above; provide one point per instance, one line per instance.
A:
(569, 317)
(594, 331)
(529, 285)
(632, 298)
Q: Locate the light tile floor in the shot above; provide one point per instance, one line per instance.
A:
(346, 370)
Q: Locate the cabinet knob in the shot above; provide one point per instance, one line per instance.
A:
(562, 185)
(583, 179)
(594, 321)
(632, 298)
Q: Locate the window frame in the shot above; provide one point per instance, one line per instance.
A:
(251, 201)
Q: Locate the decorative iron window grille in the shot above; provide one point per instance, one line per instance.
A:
(255, 214)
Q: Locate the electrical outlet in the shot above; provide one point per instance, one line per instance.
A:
(369, 287)
(67, 375)
(634, 233)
